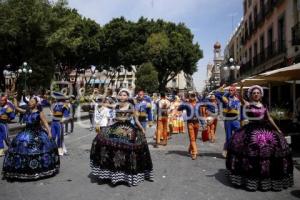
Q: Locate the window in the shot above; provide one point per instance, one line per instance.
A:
(245, 7)
(255, 15)
(129, 83)
(281, 34)
(174, 83)
(270, 41)
(262, 6)
(249, 3)
(250, 55)
(255, 61)
(262, 47)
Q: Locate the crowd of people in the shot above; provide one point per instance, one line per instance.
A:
(256, 152)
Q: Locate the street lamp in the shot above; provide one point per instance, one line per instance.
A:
(25, 69)
(232, 66)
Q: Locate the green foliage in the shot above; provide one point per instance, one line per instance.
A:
(147, 78)
(46, 34)
(172, 50)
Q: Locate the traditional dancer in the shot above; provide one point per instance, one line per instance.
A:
(231, 112)
(258, 155)
(32, 154)
(120, 153)
(212, 117)
(58, 111)
(193, 113)
(163, 106)
(143, 108)
(6, 114)
(176, 119)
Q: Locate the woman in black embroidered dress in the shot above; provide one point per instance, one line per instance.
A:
(258, 154)
(120, 153)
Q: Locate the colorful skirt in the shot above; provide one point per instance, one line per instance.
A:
(176, 125)
(31, 155)
(259, 158)
(120, 153)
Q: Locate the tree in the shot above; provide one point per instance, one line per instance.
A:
(23, 32)
(146, 78)
(171, 51)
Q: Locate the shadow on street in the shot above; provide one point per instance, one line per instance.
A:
(296, 193)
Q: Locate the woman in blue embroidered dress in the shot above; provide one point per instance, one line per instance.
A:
(32, 153)
(258, 155)
(120, 153)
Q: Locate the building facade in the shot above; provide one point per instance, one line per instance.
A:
(267, 38)
(125, 79)
(270, 35)
(182, 82)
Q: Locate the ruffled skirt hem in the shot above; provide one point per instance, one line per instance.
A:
(267, 184)
(119, 176)
(22, 176)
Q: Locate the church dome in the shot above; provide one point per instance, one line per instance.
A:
(217, 45)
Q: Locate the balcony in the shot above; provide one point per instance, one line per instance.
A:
(275, 49)
(255, 23)
(296, 34)
(270, 50)
(255, 60)
(261, 17)
(269, 7)
(261, 57)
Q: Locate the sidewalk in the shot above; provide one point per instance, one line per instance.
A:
(14, 126)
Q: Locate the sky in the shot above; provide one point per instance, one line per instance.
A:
(209, 20)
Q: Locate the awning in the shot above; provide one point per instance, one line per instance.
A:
(289, 73)
(245, 87)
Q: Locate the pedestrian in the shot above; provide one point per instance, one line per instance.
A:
(102, 115)
(67, 115)
(258, 156)
(32, 153)
(22, 104)
(7, 114)
(73, 106)
(121, 153)
(92, 112)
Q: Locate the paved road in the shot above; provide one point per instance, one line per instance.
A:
(176, 176)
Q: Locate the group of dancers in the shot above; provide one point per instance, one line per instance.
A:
(257, 154)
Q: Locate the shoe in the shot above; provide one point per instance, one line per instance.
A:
(190, 151)
(194, 156)
(64, 149)
(60, 151)
(164, 143)
(224, 153)
(2, 152)
(155, 145)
